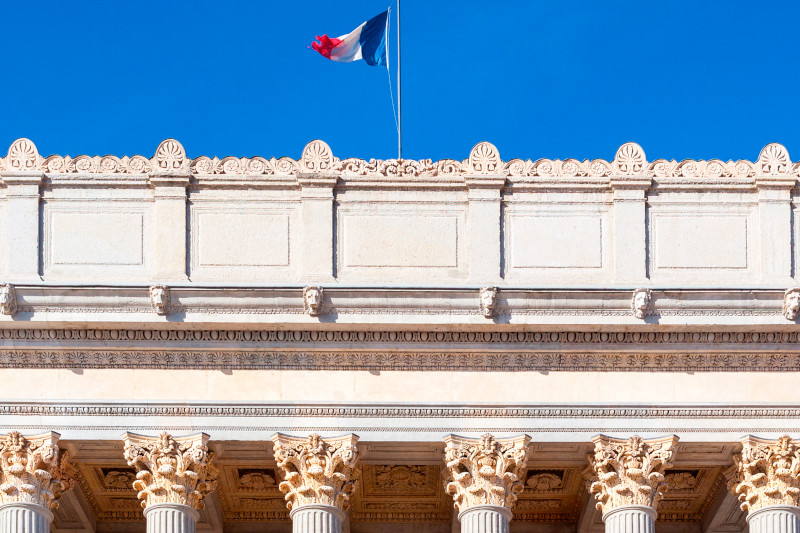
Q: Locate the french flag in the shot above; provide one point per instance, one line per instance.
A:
(367, 42)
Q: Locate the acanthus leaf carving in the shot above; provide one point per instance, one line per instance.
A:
(33, 470)
(629, 471)
(314, 470)
(766, 473)
(485, 471)
(171, 470)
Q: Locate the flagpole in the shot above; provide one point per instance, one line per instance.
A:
(399, 99)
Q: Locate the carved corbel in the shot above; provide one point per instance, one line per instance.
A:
(312, 300)
(485, 471)
(159, 298)
(765, 473)
(641, 303)
(33, 469)
(8, 299)
(629, 472)
(488, 301)
(170, 470)
(316, 471)
(791, 303)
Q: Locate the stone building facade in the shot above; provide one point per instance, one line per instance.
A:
(321, 345)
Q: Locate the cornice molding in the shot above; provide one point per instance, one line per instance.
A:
(317, 159)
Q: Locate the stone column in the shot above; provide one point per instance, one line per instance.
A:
(766, 479)
(173, 476)
(484, 478)
(317, 478)
(627, 478)
(33, 478)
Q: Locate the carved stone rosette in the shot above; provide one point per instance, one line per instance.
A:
(625, 472)
(766, 473)
(32, 470)
(170, 470)
(485, 471)
(316, 471)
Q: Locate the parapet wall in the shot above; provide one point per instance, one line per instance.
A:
(481, 222)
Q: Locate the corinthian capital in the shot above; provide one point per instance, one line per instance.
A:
(316, 471)
(767, 472)
(485, 471)
(32, 471)
(629, 472)
(170, 470)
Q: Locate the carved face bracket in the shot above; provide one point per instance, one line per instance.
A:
(641, 303)
(488, 301)
(159, 298)
(791, 303)
(312, 300)
(8, 299)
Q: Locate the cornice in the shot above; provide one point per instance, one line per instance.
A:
(629, 165)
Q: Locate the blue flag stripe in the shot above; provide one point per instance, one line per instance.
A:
(373, 40)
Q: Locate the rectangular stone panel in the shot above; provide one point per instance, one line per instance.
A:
(399, 240)
(97, 238)
(90, 237)
(244, 239)
(555, 241)
(699, 241)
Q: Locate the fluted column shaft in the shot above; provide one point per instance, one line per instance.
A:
(485, 519)
(631, 519)
(316, 518)
(775, 519)
(24, 518)
(170, 518)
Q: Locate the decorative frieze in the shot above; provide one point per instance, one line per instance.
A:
(766, 473)
(171, 470)
(317, 158)
(485, 471)
(316, 471)
(33, 470)
(625, 472)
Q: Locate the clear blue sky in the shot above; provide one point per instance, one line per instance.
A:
(685, 79)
